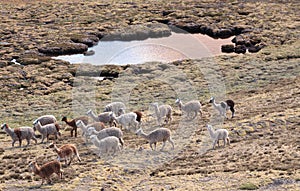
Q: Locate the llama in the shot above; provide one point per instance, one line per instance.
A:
(191, 107)
(223, 106)
(18, 134)
(72, 123)
(46, 170)
(46, 130)
(158, 135)
(67, 152)
(163, 111)
(219, 134)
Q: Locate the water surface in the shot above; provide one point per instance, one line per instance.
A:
(178, 46)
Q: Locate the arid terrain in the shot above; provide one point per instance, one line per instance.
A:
(264, 153)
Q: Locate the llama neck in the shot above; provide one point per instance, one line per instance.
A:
(56, 149)
(81, 125)
(38, 126)
(68, 122)
(156, 109)
(9, 131)
(211, 132)
(214, 104)
(36, 169)
(93, 115)
(144, 135)
(180, 105)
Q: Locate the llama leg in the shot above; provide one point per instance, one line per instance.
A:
(71, 158)
(151, 146)
(20, 142)
(72, 132)
(214, 144)
(13, 143)
(35, 139)
(232, 112)
(171, 141)
(76, 132)
(28, 141)
(228, 140)
(164, 143)
(78, 157)
(43, 137)
(49, 180)
(224, 142)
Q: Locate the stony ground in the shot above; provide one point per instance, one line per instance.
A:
(265, 149)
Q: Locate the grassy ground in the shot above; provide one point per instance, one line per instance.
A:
(264, 151)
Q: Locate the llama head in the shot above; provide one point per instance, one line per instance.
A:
(64, 118)
(209, 126)
(121, 111)
(4, 125)
(89, 112)
(212, 99)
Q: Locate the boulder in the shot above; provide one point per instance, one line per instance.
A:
(63, 48)
(227, 48)
(238, 40)
(89, 53)
(190, 27)
(240, 49)
(224, 33)
(139, 32)
(89, 40)
(256, 48)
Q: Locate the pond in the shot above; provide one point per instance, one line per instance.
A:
(177, 46)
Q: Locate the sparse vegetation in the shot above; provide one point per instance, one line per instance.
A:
(248, 186)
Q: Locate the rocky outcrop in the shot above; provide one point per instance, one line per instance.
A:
(89, 40)
(139, 32)
(227, 48)
(63, 48)
(240, 49)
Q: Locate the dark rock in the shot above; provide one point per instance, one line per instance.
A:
(238, 40)
(89, 53)
(248, 43)
(89, 40)
(167, 12)
(63, 48)
(240, 49)
(255, 40)
(139, 32)
(227, 48)
(188, 27)
(162, 20)
(256, 48)
(32, 57)
(244, 12)
(225, 33)
(238, 29)
(212, 32)
(203, 29)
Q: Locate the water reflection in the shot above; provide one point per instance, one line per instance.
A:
(178, 46)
